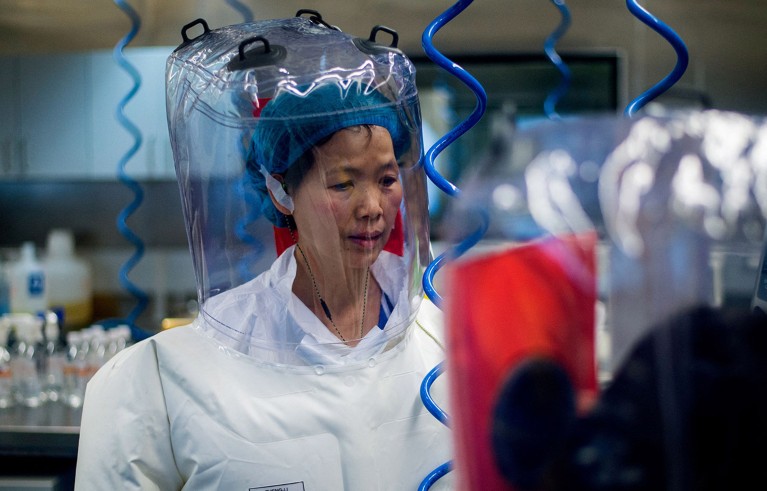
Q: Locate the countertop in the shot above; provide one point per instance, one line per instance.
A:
(51, 430)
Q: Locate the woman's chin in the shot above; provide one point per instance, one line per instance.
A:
(363, 257)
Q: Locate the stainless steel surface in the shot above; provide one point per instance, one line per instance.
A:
(30, 483)
(51, 430)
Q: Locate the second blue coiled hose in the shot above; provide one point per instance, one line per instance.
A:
(431, 154)
(244, 10)
(453, 191)
(550, 104)
(679, 47)
(138, 194)
(549, 107)
(241, 188)
(464, 76)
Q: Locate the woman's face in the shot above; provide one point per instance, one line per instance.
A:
(348, 200)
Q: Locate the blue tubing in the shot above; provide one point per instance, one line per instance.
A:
(435, 475)
(456, 251)
(428, 279)
(431, 154)
(244, 10)
(549, 105)
(450, 189)
(138, 195)
(441, 416)
(244, 265)
(428, 402)
(256, 247)
(456, 70)
(679, 47)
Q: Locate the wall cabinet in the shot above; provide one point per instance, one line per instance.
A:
(9, 137)
(53, 97)
(59, 116)
(146, 110)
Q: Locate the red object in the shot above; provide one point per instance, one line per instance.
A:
(258, 106)
(282, 239)
(395, 244)
(537, 299)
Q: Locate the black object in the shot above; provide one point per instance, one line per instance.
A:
(184, 32)
(316, 17)
(533, 415)
(686, 411)
(262, 55)
(371, 46)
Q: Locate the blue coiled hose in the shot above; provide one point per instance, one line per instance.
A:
(138, 194)
(450, 254)
(681, 53)
(453, 191)
(431, 154)
(435, 475)
(252, 213)
(550, 104)
(464, 76)
(244, 10)
(431, 406)
(441, 416)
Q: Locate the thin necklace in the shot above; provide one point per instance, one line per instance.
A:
(324, 305)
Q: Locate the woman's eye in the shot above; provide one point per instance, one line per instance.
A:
(389, 181)
(342, 186)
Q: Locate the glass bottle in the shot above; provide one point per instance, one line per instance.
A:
(26, 360)
(6, 375)
(72, 395)
(55, 358)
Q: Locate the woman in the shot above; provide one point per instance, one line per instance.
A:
(348, 201)
(307, 375)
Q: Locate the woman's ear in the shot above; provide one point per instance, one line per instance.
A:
(280, 202)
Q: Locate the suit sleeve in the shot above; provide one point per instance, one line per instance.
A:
(124, 434)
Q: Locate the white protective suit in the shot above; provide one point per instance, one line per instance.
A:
(181, 410)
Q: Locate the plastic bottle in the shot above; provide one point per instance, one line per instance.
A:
(72, 393)
(26, 358)
(70, 284)
(83, 367)
(6, 375)
(123, 336)
(112, 343)
(28, 284)
(55, 358)
(97, 351)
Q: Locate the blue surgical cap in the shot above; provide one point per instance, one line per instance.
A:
(296, 120)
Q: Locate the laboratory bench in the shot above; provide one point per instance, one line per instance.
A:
(38, 447)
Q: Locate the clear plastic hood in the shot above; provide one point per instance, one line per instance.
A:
(297, 152)
(614, 314)
(669, 197)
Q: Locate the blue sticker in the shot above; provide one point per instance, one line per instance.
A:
(36, 284)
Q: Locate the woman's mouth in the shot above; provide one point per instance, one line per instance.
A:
(366, 240)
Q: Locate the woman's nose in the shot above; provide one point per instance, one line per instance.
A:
(369, 205)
